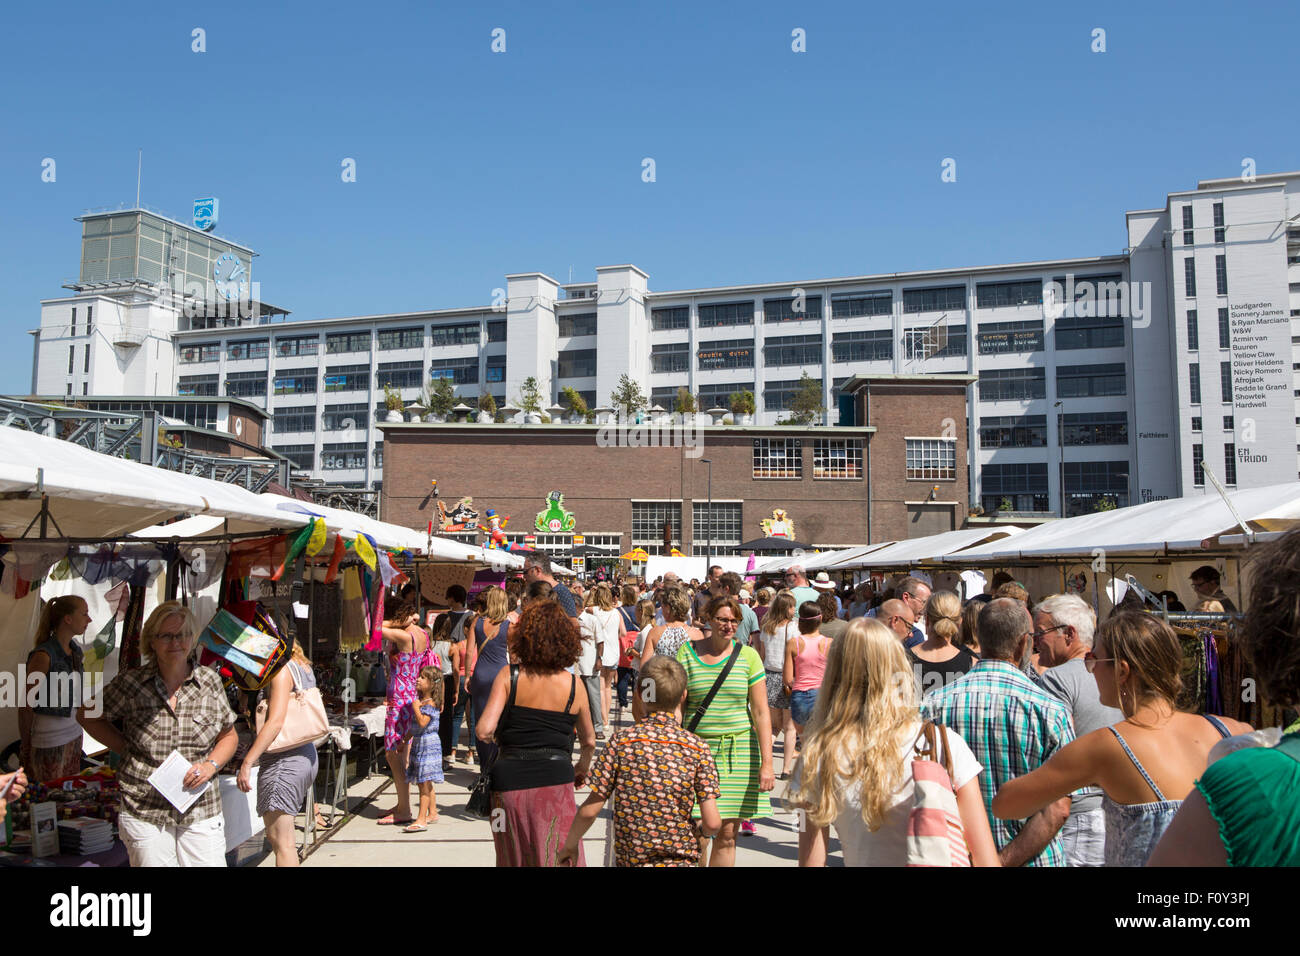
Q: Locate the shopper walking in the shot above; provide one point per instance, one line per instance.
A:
(805, 664)
(425, 768)
(777, 630)
(941, 659)
(409, 650)
(668, 638)
(487, 656)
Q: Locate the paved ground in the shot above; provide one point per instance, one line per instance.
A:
(457, 840)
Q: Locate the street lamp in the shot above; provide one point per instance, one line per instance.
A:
(708, 548)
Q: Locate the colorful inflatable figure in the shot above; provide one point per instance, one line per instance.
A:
(496, 536)
(463, 517)
(780, 525)
(555, 519)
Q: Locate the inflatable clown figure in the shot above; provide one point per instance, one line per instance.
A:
(496, 536)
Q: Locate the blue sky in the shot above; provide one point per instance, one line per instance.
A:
(770, 165)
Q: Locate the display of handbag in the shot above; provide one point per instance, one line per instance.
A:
(305, 721)
(934, 831)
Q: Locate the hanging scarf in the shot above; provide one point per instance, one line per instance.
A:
(339, 547)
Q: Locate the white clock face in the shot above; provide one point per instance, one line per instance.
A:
(231, 276)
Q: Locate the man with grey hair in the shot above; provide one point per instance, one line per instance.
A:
(1063, 630)
(1012, 726)
(796, 580)
(914, 593)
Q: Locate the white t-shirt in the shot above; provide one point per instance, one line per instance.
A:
(888, 845)
(774, 645)
(606, 633)
(587, 627)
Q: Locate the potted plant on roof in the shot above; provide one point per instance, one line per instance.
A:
(392, 402)
(441, 399)
(743, 407)
(571, 399)
(487, 409)
(530, 401)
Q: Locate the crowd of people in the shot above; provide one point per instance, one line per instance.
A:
(1054, 741)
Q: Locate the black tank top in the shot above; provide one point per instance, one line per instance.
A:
(536, 744)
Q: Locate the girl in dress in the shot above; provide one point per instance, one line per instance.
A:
(425, 768)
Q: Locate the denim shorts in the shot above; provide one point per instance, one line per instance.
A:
(802, 704)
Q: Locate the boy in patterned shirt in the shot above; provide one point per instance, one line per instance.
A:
(656, 771)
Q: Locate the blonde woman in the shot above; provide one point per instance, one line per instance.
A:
(601, 627)
(283, 779)
(168, 705)
(49, 735)
(942, 658)
(855, 772)
(487, 655)
(770, 641)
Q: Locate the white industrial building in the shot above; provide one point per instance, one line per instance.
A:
(1110, 378)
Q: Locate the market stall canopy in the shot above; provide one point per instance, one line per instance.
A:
(773, 545)
(98, 496)
(1192, 524)
(926, 550)
(821, 559)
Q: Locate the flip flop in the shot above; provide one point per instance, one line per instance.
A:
(390, 820)
(415, 828)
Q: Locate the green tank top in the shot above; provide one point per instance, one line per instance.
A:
(1254, 795)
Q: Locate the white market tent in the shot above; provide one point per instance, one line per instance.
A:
(926, 550)
(819, 560)
(1158, 529)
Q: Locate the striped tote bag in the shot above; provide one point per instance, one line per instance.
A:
(934, 831)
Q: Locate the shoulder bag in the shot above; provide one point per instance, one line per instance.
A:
(479, 804)
(713, 691)
(304, 720)
(934, 832)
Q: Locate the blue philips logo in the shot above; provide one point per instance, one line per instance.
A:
(205, 214)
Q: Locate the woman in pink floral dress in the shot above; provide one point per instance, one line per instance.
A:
(409, 650)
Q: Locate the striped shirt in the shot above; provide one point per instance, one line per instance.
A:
(728, 713)
(1012, 726)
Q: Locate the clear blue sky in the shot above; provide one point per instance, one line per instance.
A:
(770, 164)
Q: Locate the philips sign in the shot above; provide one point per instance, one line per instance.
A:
(205, 214)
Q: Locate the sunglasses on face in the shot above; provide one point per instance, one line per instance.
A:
(1091, 661)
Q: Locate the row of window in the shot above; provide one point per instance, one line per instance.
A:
(1189, 234)
(1072, 381)
(1220, 276)
(386, 340)
(1022, 486)
(1225, 382)
(90, 320)
(1030, 431)
(783, 458)
(338, 456)
(1193, 331)
(1229, 464)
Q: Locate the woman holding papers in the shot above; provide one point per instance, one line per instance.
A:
(171, 815)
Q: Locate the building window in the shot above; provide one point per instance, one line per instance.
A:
(1225, 381)
(85, 390)
(725, 535)
(863, 345)
(997, 338)
(580, 324)
(390, 339)
(246, 384)
(200, 352)
(665, 396)
(1193, 337)
(1188, 235)
(1000, 295)
(196, 385)
(347, 378)
(1221, 275)
(932, 458)
(576, 363)
(337, 418)
(672, 357)
(951, 298)
(726, 354)
(1227, 423)
(289, 420)
(1219, 231)
(300, 456)
(461, 371)
(1196, 423)
(677, 317)
(1189, 277)
(72, 358)
(1091, 485)
(496, 330)
(648, 519)
(90, 325)
(938, 341)
(1194, 378)
(1095, 428)
(783, 310)
(404, 374)
(297, 345)
(74, 322)
(862, 304)
(1225, 330)
(1083, 381)
(1090, 332)
(379, 454)
(718, 395)
(1012, 384)
(779, 396)
(1020, 487)
(837, 458)
(1198, 473)
(462, 333)
(85, 363)
(249, 349)
(1230, 464)
(1012, 431)
(778, 458)
(343, 456)
(301, 381)
(792, 350)
(717, 314)
(496, 368)
(347, 342)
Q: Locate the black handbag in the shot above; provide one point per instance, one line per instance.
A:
(479, 805)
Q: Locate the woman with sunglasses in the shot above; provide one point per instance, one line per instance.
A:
(1148, 762)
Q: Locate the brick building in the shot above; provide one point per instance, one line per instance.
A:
(900, 473)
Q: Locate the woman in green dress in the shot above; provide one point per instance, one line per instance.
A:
(736, 725)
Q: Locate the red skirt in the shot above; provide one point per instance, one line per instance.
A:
(533, 824)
